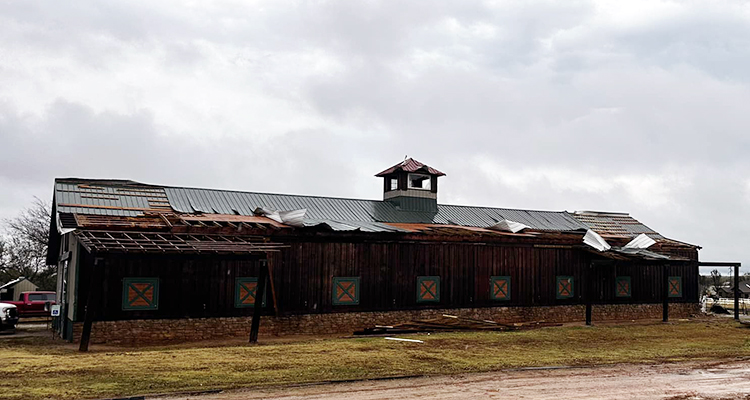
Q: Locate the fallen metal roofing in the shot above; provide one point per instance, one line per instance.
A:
(641, 241)
(593, 239)
(642, 253)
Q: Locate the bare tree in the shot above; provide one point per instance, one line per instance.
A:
(716, 280)
(23, 251)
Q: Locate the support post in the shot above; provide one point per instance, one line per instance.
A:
(737, 292)
(588, 293)
(665, 293)
(258, 306)
(88, 319)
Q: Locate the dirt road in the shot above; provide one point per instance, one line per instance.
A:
(690, 380)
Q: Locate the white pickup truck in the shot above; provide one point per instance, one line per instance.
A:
(8, 316)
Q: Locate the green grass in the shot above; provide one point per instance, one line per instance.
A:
(35, 368)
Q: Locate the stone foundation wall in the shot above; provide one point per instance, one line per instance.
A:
(134, 332)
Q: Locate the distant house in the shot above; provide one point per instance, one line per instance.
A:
(176, 263)
(744, 289)
(11, 291)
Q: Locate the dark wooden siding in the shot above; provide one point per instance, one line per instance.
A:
(189, 286)
(203, 286)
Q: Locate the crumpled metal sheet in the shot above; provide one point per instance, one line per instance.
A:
(509, 226)
(640, 242)
(593, 239)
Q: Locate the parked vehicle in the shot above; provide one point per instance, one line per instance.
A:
(34, 304)
(8, 316)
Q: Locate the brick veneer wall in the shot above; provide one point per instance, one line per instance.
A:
(143, 331)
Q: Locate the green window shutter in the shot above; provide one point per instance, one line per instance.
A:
(675, 286)
(564, 287)
(500, 287)
(345, 291)
(428, 289)
(244, 292)
(140, 294)
(622, 286)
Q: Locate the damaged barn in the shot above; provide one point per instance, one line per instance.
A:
(146, 263)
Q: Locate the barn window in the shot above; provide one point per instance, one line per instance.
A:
(675, 286)
(564, 287)
(346, 291)
(140, 293)
(500, 287)
(244, 292)
(393, 183)
(428, 289)
(622, 286)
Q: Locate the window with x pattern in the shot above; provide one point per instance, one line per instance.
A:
(244, 292)
(140, 293)
(428, 289)
(675, 286)
(345, 291)
(622, 286)
(500, 287)
(564, 287)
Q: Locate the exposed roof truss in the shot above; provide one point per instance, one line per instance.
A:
(164, 242)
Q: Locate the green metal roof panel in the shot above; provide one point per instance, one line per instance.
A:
(347, 211)
(127, 198)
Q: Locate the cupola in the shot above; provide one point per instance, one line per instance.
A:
(411, 185)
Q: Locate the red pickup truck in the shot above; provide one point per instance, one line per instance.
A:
(33, 304)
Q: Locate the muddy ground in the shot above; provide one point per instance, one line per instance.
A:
(687, 380)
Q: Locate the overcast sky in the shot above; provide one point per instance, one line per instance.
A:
(630, 106)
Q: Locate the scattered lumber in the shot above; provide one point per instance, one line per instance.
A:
(404, 340)
(447, 323)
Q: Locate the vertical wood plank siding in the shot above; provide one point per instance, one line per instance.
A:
(203, 286)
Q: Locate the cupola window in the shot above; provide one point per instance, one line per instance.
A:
(393, 183)
(419, 181)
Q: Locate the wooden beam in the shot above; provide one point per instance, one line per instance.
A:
(665, 294)
(110, 207)
(737, 292)
(273, 289)
(258, 307)
(164, 218)
(88, 320)
(587, 287)
(719, 264)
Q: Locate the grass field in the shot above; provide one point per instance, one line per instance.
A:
(35, 368)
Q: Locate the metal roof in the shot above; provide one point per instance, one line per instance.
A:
(348, 211)
(108, 197)
(411, 165)
(127, 198)
(620, 224)
(13, 282)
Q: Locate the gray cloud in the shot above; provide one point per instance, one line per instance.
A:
(637, 107)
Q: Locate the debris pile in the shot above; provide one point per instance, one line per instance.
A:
(447, 323)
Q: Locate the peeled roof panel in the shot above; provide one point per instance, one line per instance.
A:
(641, 241)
